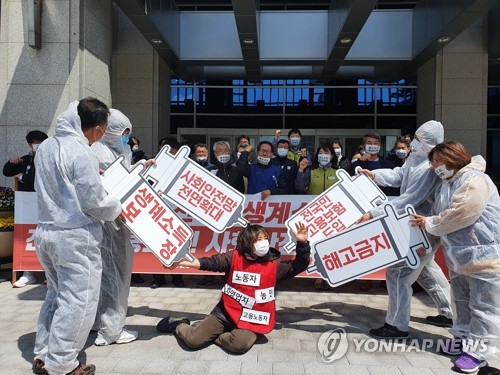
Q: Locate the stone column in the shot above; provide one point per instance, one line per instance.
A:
(452, 88)
(136, 82)
(37, 84)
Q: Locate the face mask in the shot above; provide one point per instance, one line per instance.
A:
(35, 146)
(372, 149)
(282, 152)
(323, 159)
(262, 160)
(201, 159)
(295, 141)
(338, 151)
(243, 145)
(401, 154)
(125, 139)
(223, 159)
(444, 172)
(261, 248)
(416, 146)
(135, 148)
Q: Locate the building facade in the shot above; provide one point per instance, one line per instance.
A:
(208, 85)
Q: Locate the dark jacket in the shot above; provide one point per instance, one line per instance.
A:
(372, 165)
(285, 269)
(138, 155)
(230, 174)
(344, 163)
(27, 168)
(288, 171)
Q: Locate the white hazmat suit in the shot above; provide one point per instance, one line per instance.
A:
(116, 249)
(418, 183)
(71, 202)
(467, 220)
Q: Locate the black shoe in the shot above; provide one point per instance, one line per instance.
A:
(487, 370)
(156, 285)
(388, 332)
(205, 281)
(177, 281)
(168, 324)
(440, 321)
(38, 367)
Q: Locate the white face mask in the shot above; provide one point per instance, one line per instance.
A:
(35, 146)
(338, 151)
(295, 141)
(444, 172)
(372, 149)
(401, 154)
(416, 146)
(135, 148)
(324, 159)
(223, 159)
(261, 248)
(282, 152)
(201, 159)
(262, 160)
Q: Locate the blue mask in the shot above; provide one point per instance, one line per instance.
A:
(125, 139)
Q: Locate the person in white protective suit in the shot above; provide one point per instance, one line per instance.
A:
(417, 182)
(466, 216)
(116, 249)
(71, 204)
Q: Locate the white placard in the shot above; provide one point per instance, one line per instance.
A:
(151, 220)
(337, 208)
(369, 246)
(200, 193)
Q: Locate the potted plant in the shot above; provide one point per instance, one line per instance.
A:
(6, 201)
(6, 221)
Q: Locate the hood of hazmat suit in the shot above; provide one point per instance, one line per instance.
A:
(111, 146)
(68, 186)
(415, 178)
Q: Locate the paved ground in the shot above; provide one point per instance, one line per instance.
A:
(303, 316)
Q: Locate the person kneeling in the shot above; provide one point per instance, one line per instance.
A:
(247, 307)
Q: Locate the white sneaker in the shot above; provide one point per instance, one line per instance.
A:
(125, 337)
(26, 279)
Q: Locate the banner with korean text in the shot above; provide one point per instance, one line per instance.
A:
(271, 213)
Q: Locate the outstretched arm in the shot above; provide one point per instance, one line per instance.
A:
(291, 268)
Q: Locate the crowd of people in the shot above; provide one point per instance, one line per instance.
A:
(85, 250)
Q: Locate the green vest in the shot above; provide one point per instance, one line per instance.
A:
(321, 179)
(294, 156)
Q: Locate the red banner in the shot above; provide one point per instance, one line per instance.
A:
(271, 214)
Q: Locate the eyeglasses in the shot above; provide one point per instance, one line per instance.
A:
(265, 151)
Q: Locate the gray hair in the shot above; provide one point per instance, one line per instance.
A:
(221, 143)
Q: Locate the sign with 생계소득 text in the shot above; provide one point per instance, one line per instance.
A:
(337, 208)
(151, 220)
(367, 247)
(187, 185)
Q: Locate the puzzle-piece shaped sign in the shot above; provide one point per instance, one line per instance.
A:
(147, 215)
(337, 208)
(195, 190)
(368, 247)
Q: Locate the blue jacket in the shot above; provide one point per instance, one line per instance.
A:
(261, 177)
